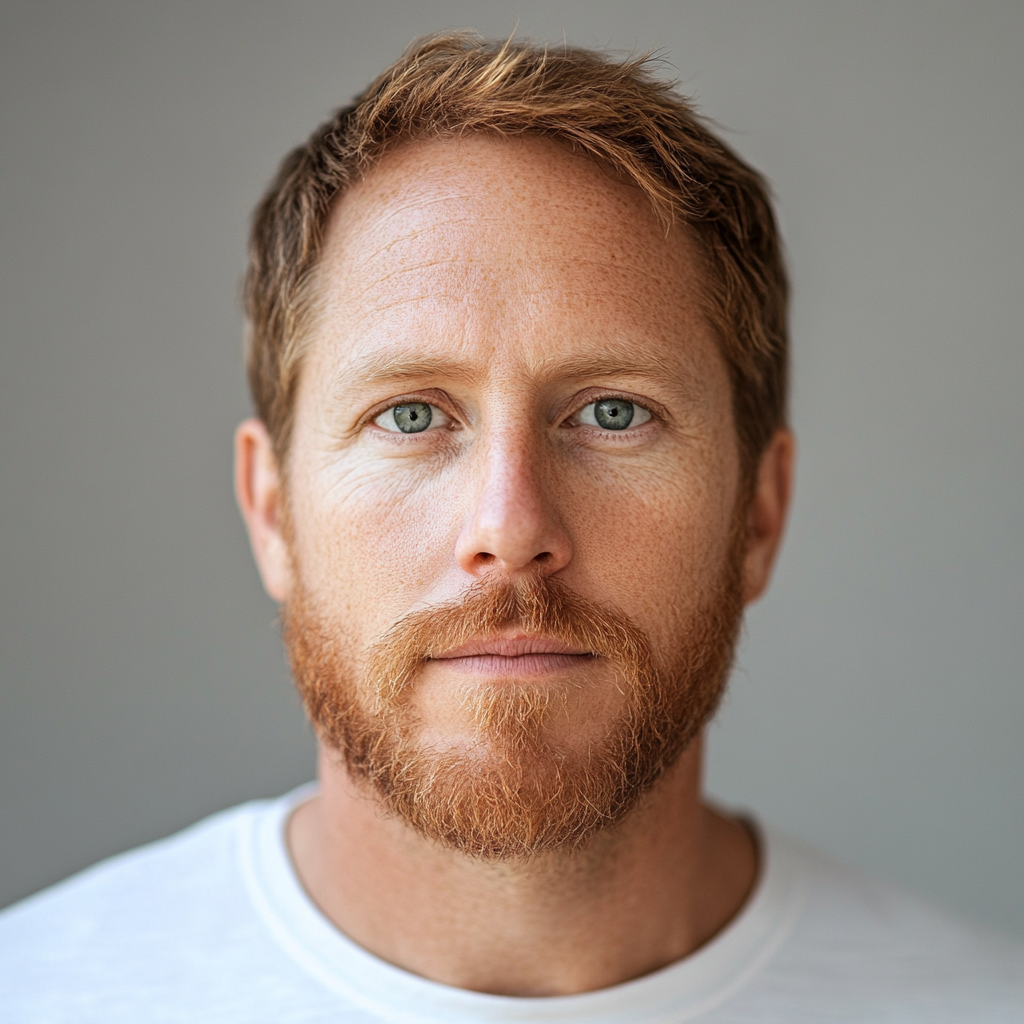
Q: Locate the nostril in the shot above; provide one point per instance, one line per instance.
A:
(544, 556)
(485, 557)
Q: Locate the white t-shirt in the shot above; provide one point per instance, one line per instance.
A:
(213, 926)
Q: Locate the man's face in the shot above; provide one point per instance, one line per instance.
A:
(490, 314)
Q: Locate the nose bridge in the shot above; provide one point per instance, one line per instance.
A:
(513, 523)
(513, 479)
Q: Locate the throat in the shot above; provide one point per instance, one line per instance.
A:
(638, 897)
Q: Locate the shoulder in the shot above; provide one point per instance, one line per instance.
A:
(132, 927)
(169, 876)
(864, 946)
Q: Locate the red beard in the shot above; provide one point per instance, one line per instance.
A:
(517, 793)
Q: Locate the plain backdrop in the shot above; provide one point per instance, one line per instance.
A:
(877, 709)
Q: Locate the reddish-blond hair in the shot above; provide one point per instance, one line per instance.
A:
(619, 113)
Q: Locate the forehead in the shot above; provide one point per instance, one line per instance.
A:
(504, 250)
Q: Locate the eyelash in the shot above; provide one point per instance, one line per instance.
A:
(446, 422)
(612, 397)
(433, 401)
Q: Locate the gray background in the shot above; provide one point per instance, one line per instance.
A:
(878, 709)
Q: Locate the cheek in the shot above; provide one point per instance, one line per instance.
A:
(655, 546)
(371, 538)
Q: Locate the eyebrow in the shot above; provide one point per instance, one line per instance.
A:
(581, 367)
(383, 368)
(651, 368)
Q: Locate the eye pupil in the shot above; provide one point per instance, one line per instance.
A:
(412, 418)
(613, 413)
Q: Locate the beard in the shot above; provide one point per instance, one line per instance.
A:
(515, 790)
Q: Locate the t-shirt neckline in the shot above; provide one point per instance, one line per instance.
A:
(682, 991)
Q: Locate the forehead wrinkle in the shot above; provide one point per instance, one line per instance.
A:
(399, 272)
(543, 257)
(548, 266)
(635, 306)
(617, 265)
(372, 226)
(410, 235)
(529, 278)
(370, 315)
(386, 207)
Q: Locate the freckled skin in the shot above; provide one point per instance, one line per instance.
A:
(470, 268)
(508, 284)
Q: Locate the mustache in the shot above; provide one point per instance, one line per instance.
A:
(520, 788)
(533, 604)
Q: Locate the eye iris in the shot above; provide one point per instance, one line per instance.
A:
(412, 418)
(613, 413)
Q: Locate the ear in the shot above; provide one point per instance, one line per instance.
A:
(260, 496)
(766, 518)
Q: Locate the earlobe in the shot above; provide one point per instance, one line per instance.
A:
(260, 496)
(769, 508)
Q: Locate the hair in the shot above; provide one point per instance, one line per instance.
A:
(618, 113)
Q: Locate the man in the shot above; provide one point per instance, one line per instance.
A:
(518, 355)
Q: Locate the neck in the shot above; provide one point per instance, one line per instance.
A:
(641, 896)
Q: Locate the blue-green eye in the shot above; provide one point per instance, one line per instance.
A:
(408, 418)
(613, 414)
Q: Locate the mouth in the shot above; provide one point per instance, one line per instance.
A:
(516, 656)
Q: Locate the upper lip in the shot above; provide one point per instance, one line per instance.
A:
(511, 647)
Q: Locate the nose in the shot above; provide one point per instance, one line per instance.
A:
(513, 525)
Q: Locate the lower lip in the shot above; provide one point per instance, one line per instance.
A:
(496, 665)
